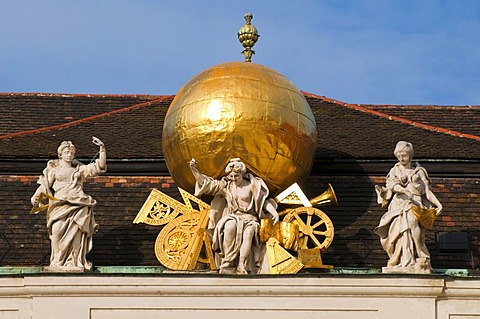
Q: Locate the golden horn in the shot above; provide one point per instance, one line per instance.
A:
(328, 197)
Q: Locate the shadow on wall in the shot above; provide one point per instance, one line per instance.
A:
(123, 246)
(355, 217)
(23, 236)
(119, 242)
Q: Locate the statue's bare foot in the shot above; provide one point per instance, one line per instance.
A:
(241, 270)
(226, 270)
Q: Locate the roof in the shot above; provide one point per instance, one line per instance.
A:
(458, 118)
(130, 126)
(33, 124)
(365, 131)
(26, 111)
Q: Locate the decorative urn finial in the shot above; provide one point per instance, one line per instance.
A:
(248, 36)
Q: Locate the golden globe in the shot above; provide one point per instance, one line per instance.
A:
(244, 110)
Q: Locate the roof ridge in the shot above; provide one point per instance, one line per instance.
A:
(77, 94)
(86, 119)
(416, 106)
(395, 118)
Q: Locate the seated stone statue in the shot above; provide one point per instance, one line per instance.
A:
(240, 201)
(401, 234)
(70, 219)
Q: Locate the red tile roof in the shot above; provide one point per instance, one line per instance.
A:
(444, 119)
(355, 131)
(33, 124)
(27, 111)
(463, 119)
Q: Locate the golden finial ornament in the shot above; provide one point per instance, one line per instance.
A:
(248, 36)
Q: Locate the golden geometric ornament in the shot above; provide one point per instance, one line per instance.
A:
(293, 195)
(189, 198)
(248, 36)
(184, 241)
(160, 209)
(426, 217)
(40, 205)
(181, 243)
(281, 261)
(285, 233)
(312, 258)
(315, 227)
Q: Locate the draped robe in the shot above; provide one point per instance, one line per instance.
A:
(395, 231)
(70, 220)
(225, 208)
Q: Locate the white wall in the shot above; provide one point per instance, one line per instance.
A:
(182, 296)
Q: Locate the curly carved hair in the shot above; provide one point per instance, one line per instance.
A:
(64, 145)
(403, 146)
(236, 165)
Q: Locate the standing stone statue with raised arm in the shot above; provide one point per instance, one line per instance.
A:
(70, 219)
(240, 201)
(412, 207)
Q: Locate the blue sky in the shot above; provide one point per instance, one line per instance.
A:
(362, 51)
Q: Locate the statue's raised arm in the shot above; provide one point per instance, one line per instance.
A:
(102, 152)
(199, 177)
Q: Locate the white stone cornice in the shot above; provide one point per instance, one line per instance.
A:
(230, 286)
(462, 288)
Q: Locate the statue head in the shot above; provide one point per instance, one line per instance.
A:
(236, 165)
(66, 145)
(403, 151)
(235, 170)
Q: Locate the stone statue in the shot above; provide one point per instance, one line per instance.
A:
(70, 219)
(240, 201)
(401, 228)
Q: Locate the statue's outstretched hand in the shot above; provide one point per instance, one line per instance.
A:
(34, 200)
(97, 141)
(192, 163)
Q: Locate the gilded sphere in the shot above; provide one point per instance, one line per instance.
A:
(243, 110)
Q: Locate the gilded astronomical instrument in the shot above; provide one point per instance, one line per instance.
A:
(40, 204)
(304, 229)
(316, 228)
(244, 110)
(180, 243)
(183, 242)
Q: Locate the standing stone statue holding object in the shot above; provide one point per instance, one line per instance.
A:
(412, 208)
(70, 219)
